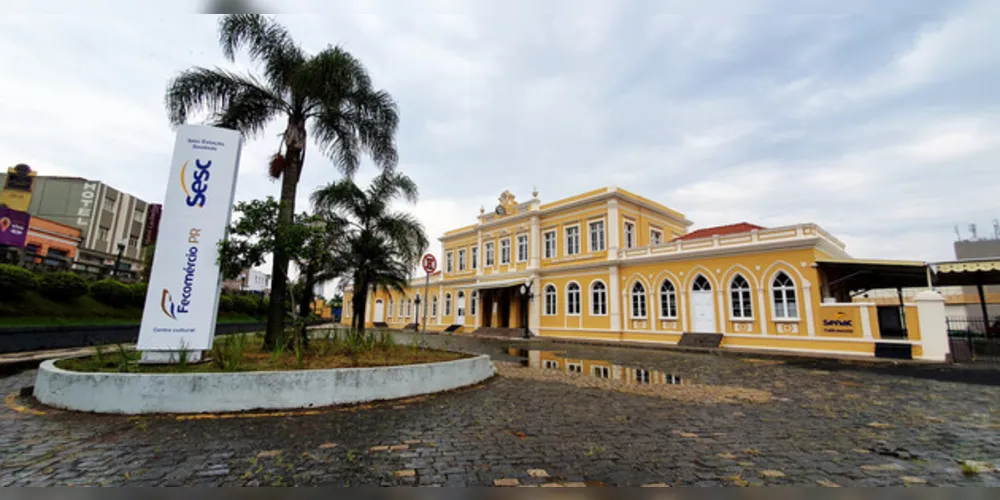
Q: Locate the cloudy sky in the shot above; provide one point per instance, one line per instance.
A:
(880, 121)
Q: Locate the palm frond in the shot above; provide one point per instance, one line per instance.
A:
(267, 42)
(234, 101)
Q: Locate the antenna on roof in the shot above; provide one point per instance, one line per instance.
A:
(972, 229)
(958, 234)
(996, 229)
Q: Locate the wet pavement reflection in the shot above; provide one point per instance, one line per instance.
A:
(557, 360)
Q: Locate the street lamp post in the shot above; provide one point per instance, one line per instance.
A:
(118, 260)
(527, 294)
(417, 302)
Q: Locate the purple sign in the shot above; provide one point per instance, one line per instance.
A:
(13, 227)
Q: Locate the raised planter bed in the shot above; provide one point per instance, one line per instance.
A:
(141, 393)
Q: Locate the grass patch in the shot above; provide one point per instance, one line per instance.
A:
(242, 353)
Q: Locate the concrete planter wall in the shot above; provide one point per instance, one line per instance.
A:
(137, 393)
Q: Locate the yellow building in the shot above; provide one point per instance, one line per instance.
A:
(611, 265)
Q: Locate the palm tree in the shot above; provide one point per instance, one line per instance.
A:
(330, 93)
(380, 246)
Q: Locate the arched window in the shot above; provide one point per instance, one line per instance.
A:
(739, 294)
(598, 299)
(550, 300)
(701, 284)
(390, 308)
(434, 306)
(668, 300)
(783, 290)
(409, 308)
(402, 302)
(447, 304)
(638, 300)
(573, 298)
(472, 306)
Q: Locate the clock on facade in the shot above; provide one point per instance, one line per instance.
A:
(499, 210)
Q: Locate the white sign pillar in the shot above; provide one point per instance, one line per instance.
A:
(184, 284)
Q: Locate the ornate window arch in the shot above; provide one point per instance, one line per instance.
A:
(638, 300)
(668, 300)
(783, 295)
(573, 298)
(740, 301)
(551, 296)
(598, 298)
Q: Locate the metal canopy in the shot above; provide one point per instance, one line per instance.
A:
(967, 272)
(860, 275)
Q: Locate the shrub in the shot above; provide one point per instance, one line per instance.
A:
(226, 303)
(247, 304)
(112, 292)
(63, 286)
(14, 281)
(139, 294)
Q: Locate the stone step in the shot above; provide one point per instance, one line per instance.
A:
(710, 340)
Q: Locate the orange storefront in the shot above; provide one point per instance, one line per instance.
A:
(50, 238)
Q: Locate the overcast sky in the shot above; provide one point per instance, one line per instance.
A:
(878, 120)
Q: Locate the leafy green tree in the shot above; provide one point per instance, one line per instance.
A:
(329, 93)
(379, 247)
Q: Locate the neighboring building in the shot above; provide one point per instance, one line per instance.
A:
(611, 265)
(249, 280)
(53, 240)
(105, 217)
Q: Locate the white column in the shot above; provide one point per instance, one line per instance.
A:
(613, 242)
(933, 326)
(616, 300)
(721, 306)
(682, 309)
(810, 324)
(533, 243)
(535, 309)
(762, 310)
(479, 254)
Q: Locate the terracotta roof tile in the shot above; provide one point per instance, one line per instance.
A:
(740, 227)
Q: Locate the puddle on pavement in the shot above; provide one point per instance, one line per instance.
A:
(554, 360)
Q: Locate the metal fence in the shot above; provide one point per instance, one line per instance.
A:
(974, 339)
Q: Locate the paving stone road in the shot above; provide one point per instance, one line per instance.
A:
(822, 427)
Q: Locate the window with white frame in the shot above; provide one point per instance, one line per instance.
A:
(390, 308)
(572, 240)
(739, 294)
(475, 257)
(490, 255)
(573, 299)
(434, 306)
(133, 242)
(550, 300)
(109, 204)
(638, 300)
(102, 233)
(551, 365)
(472, 306)
(642, 376)
(505, 251)
(574, 367)
(550, 244)
(783, 290)
(600, 371)
(409, 308)
(522, 247)
(668, 300)
(629, 234)
(447, 304)
(402, 303)
(448, 262)
(597, 236)
(461, 260)
(137, 215)
(598, 299)
(655, 236)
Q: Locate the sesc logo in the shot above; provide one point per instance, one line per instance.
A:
(199, 183)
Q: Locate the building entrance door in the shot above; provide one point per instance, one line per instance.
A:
(460, 308)
(702, 307)
(379, 312)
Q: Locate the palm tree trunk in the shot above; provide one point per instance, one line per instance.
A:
(279, 270)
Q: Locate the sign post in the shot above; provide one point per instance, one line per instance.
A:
(429, 264)
(14, 226)
(183, 295)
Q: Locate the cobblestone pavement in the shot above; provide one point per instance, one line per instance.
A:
(828, 427)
